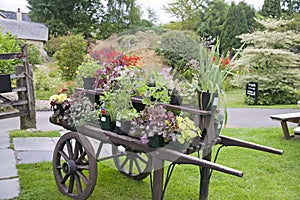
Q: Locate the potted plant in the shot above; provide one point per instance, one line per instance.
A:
(186, 131)
(209, 72)
(151, 127)
(112, 63)
(117, 100)
(82, 110)
(60, 103)
(155, 88)
(87, 72)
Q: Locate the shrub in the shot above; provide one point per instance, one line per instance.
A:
(9, 44)
(178, 48)
(280, 87)
(70, 55)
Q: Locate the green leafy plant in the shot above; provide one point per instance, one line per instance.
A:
(88, 67)
(70, 55)
(187, 129)
(117, 99)
(154, 89)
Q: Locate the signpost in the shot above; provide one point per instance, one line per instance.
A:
(252, 90)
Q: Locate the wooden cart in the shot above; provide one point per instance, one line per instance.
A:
(75, 160)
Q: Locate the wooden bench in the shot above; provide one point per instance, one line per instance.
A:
(284, 118)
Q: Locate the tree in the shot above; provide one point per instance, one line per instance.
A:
(291, 6)
(186, 11)
(213, 19)
(61, 17)
(236, 23)
(271, 8)
(70, 55)
(272, 63)
(119, 16)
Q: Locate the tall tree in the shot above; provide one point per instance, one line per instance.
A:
(120, 15)
(186, 11)
(271, 8)
(234, 25)
(213, 19)
(77, 16)
(291, 6)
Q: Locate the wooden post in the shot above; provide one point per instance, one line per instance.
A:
(205, 176)
(158, 178)
(27, 121)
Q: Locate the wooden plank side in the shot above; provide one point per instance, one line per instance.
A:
(286, 117)
(10, 56)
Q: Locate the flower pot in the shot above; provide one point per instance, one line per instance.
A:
(156, 141)
(89, 83)
(58, 109)
(138, 106)
(176, 99)
(106, 123)
(178, 146)
(123, 127)
(206, 102)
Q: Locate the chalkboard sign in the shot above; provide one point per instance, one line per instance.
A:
(252, 90)
(5, 84)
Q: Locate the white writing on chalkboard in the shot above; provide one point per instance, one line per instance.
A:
(251, 93)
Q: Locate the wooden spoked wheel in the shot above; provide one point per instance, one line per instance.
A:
(75, 166)
(136, 165)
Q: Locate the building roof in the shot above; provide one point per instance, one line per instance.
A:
(13, 15)
(24, 30)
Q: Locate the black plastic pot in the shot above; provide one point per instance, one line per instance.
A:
(123, 127)
(206, 102)
(89, 83)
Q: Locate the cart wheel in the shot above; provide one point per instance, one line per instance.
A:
(136, 165)
(75, 166)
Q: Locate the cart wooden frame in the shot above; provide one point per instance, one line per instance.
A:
(75, 161)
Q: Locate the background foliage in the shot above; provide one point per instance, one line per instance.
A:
(70, 55)
(10, 44)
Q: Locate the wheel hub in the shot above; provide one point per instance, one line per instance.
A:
(69, 167)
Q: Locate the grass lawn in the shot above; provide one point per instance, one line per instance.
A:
(266, 176)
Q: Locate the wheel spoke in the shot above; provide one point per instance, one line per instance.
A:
(63, 154)
(71, 184)
(76, 150)
(63, 181)
(58, 167)
(137, 164)
(141, 158)
(130, 166)
(78, 184)
(81, 157)
(69, 147)
(125, 161)
(83, 167)
(82, 176)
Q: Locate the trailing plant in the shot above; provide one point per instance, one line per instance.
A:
(82, 110)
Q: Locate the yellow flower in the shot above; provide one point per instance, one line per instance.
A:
(54, 97)
(62, 98)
